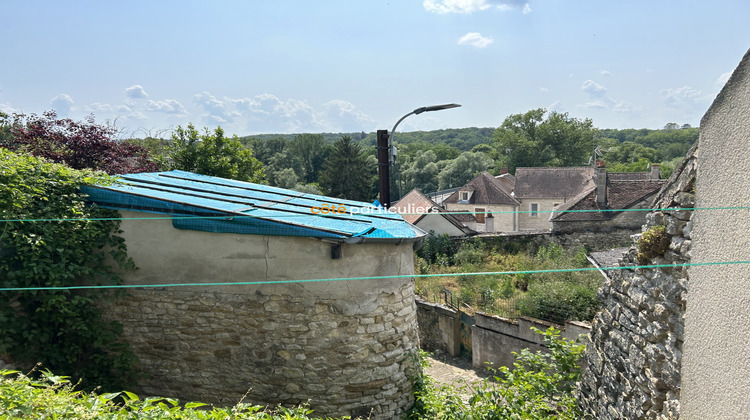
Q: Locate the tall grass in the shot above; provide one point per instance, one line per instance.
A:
(552, 296)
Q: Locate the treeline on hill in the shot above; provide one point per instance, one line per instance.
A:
(344, 165)
(443, 159)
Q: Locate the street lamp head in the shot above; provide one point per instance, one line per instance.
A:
(434, 108)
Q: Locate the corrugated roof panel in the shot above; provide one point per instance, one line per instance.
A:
(213, 204)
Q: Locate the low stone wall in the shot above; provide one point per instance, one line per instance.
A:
(593, 239)
(634, 358)
(494, 339)
(439, 327)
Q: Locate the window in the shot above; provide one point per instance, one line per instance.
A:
(463, 196)
(479, 214)
(534, 210)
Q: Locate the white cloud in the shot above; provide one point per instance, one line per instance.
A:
(342, 116)
(6, 108)
(596, 104)
(605, 73)
(543, 89)
(470, 6)
(136, 92)
(475, 39)
(684, 96)
(62, 104)
(267, 113)
(594, 89)
(556, 106)
(723, 79)
(99, 107)
(217, 109)
(169, 106)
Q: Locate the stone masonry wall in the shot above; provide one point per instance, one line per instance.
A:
(591, 238)
(635, 354)
(216, 347)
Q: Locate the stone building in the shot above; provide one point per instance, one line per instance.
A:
(543, 189)
(419, 210)
(232, 302)
(490, 200)
(611, 203)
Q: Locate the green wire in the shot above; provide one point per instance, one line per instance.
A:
(401, 276)
(233, 216)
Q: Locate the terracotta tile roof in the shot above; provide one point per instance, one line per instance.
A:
(486, 189)
(414, 199)
(620, 195)
(553, 182)
(416, 202)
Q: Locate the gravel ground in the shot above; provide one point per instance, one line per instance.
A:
(453, 370)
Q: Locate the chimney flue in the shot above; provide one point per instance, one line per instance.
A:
(655, 172)
(600, 175)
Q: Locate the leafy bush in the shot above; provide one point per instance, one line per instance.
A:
(54, 397)
(437, 249)
(50, 237)
(552, 252)
(559, 302)
(653, 243)
(540, 386)
(469, 253)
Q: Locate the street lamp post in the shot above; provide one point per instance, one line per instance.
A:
(386, 152)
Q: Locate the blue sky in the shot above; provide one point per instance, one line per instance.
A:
(331, 66)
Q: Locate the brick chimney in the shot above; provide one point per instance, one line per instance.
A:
(600, 177)
(655, 173)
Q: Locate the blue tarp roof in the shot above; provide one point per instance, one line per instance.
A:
(212, 204)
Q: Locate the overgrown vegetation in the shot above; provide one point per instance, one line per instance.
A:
(653, 243)
(49, 237)
(550, 295)
(55, 397)
(540, 386)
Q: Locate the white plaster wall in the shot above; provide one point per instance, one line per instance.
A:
(164, 254)
(716, 359)
(541, 222)
(438, 224)
(504, 222)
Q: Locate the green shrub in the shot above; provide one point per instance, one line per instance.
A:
(470, 253)
(559, 302)
(54, 397)
(552, 252)
(653, 243)
(540, 386)
(437, 249)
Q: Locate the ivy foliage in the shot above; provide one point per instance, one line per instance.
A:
(43, 243)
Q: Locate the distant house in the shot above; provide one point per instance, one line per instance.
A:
(295, 297)
(419, 210)
(491, 201)
(611, 203)
(541, 190)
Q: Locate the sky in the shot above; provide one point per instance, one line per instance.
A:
(258, 66)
